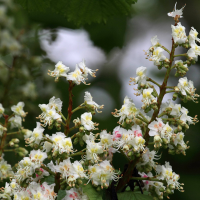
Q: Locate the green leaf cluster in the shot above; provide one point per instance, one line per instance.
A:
(80, 11)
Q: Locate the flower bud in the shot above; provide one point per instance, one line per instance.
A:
(79, 181)
(15, 140)
(171, 151)
(81, 142)
(179, 128)
(130, 153)
(81, 129)
(11, 144)
(75, 141)
(126, 147)
(165, 141)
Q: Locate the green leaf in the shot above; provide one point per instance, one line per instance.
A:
(133, 196)
(49, 179)
(80, 11)
(61, 194)
(91, 192)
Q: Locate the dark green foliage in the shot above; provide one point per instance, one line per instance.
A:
(61, 194)
(80, 11)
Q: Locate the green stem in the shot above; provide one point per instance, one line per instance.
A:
(165, 49)
(151, 80)
(71, 129)
(169, 91)
(78, 108)
(78, 153)
(17, 132)
(151, 143)
(8, 150)
(142, 119)
(62, 116)
(163, 113)
(181, 55)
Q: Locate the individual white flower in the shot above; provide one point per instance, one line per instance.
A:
(178, 139)
(141, 75)
(106, 139)
(86, 121)
(176, 13)
(37, 134)
(92, 150)
(88, 100)
(16, 122)
(148, 98)
(128, 110)
(2, 129)
(194, 51)
(5, 169)
(18, 109)
(186, 87)
(78, 168)
(156, 127)
(148, 158)
(166, 132)
(117, 133)
(178, 33)
(176, 110)
(102, 173)
(75, 194)
(147, 183)
(55, 103)
(193, 36)
(154, 41)
(60, 70)
(65, 168)
(7, 193)
(90, 137)
(85, 70)
(37, 156)
(158, 55)
(76, 76)
(1, 110)
(184, 117)
(66, 145)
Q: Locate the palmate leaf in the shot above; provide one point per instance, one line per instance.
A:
(80, 11)
(91, 192)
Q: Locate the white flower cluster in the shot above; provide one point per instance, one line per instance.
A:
(33, 191)
(147, 160)
(102, 173)
(156, 186)
(129, 140)
(50, 111)
(164, 172)
(128, 110)
(28, 165)
(79, 75)
(75, 194)
(5, 168)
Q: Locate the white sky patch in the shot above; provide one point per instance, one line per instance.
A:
(71, 47)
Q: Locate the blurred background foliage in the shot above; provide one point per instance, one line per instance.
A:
(33, 39)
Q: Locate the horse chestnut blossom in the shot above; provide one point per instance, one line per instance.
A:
(74, 161)
(59, 71)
